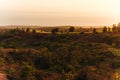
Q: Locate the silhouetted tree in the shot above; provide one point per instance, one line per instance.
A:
(33, 31)
(118, 27)
(94, 30)
(104, 29)
(55, 30)
(114, 28)
(27, 30)
(71, 29)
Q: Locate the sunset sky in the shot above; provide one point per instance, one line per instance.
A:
(59, 12)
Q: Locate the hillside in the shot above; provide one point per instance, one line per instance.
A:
(35, 56)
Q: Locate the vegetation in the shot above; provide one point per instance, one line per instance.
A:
(55, 30)
(104, 29)
(28, 55)
(94, 30)
(71, 29)
(33, 31)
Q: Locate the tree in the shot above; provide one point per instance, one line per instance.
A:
(94, 30)
(27, 30)
(71, 29)
(118, 27)
(104, 29)
(119, 24)
(33, 31)
(114, 28)
(55, 30)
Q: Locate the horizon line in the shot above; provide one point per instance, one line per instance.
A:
(52, 25)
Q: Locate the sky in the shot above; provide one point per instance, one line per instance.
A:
(59, 12)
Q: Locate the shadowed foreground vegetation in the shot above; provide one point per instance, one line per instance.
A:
(34, 56)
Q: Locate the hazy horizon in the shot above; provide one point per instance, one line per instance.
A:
(59, 12)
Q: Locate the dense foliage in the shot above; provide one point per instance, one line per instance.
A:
(33, 56)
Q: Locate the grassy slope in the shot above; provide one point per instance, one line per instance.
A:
(99, 45)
